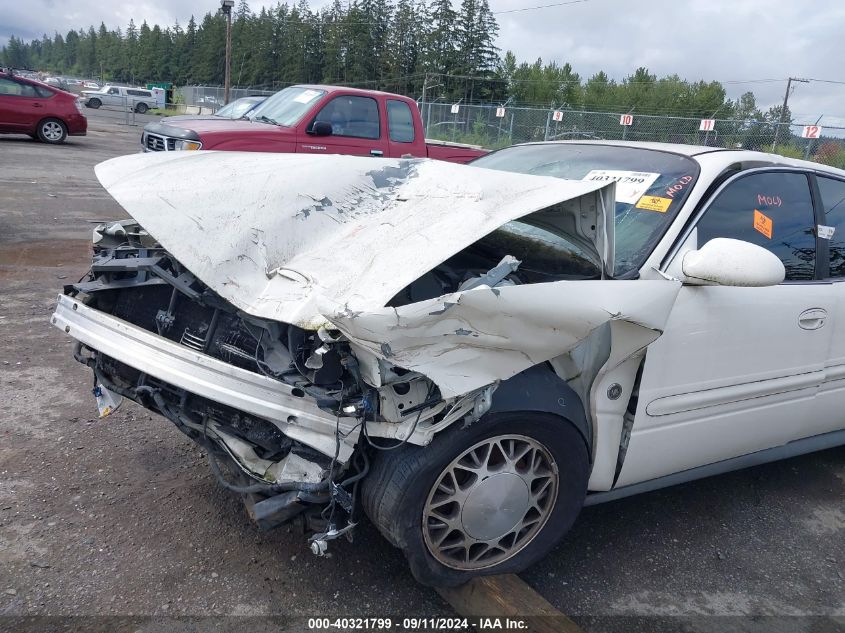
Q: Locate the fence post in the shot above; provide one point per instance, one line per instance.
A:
(125, 110)
(548, 124)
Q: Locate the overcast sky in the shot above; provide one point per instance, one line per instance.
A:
(725, 40)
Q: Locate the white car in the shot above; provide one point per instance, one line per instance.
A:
(138, 99)
(470, 354)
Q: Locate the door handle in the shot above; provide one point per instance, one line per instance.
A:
(37, 105)
(812, 319)
(376, 152)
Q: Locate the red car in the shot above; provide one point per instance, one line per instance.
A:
(43, 112)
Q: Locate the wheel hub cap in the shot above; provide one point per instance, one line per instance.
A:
(495, 506)
(490, 502)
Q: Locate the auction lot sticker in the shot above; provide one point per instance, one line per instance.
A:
(630, 185)
(763, 223)
(654, 203)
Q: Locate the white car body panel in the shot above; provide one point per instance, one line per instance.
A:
(470, 339)
(732, 374)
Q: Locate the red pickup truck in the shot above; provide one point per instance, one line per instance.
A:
(314, 119)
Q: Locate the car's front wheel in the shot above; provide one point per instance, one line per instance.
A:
(52, 131)
(491, 498)
(94, 103)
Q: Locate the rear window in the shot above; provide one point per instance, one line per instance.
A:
(401, 121)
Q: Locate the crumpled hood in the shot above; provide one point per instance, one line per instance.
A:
(278, 234)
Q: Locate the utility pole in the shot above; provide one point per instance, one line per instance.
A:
(783, 110)
(226, 8)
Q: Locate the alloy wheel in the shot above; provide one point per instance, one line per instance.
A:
(52, 131)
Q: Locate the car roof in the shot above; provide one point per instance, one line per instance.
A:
(711, 155)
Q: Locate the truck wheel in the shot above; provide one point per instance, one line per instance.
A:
(52, 131)
(488, 499)
(141, 108)
(94, 103)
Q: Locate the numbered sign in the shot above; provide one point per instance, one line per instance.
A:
(557, 115)
(626, 119)
(707, 125)
(812, 131)
(500, 112)
(456, 107)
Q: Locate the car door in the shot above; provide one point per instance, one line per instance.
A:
(829, 413)
(21, 107)
(737, 370)
(356, 128)
(112, 97)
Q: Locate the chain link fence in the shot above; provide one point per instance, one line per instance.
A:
(212, 97)
(494, 126)
(497, 126)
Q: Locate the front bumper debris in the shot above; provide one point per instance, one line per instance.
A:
(297, 416)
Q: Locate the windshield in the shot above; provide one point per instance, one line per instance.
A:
(236, 109)
(286, 107)
(651, 186)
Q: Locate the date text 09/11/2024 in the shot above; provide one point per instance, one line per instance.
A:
(419, 624)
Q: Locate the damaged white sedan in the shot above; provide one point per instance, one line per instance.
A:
(469, 354)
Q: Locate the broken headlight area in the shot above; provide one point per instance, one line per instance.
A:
(303, 458)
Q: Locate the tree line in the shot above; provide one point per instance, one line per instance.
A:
(406, 46)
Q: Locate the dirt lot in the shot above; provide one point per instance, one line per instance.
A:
(122, 516)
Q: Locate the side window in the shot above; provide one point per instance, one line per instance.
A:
(11, 87)
(28, 90)
(114, 91)
(400, 121)
(352, 116)
(44, 92)
(833, 201)
(773, 210)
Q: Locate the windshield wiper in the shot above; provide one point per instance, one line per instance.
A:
(265, 119)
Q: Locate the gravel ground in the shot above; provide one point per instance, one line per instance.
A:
(122, 517)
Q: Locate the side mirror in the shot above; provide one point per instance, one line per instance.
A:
(321, 128)
(726, 262)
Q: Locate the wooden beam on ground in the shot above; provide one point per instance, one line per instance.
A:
(507, 596)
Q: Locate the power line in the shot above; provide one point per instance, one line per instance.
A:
(542, 6)
(583, 81)
(828, 81)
